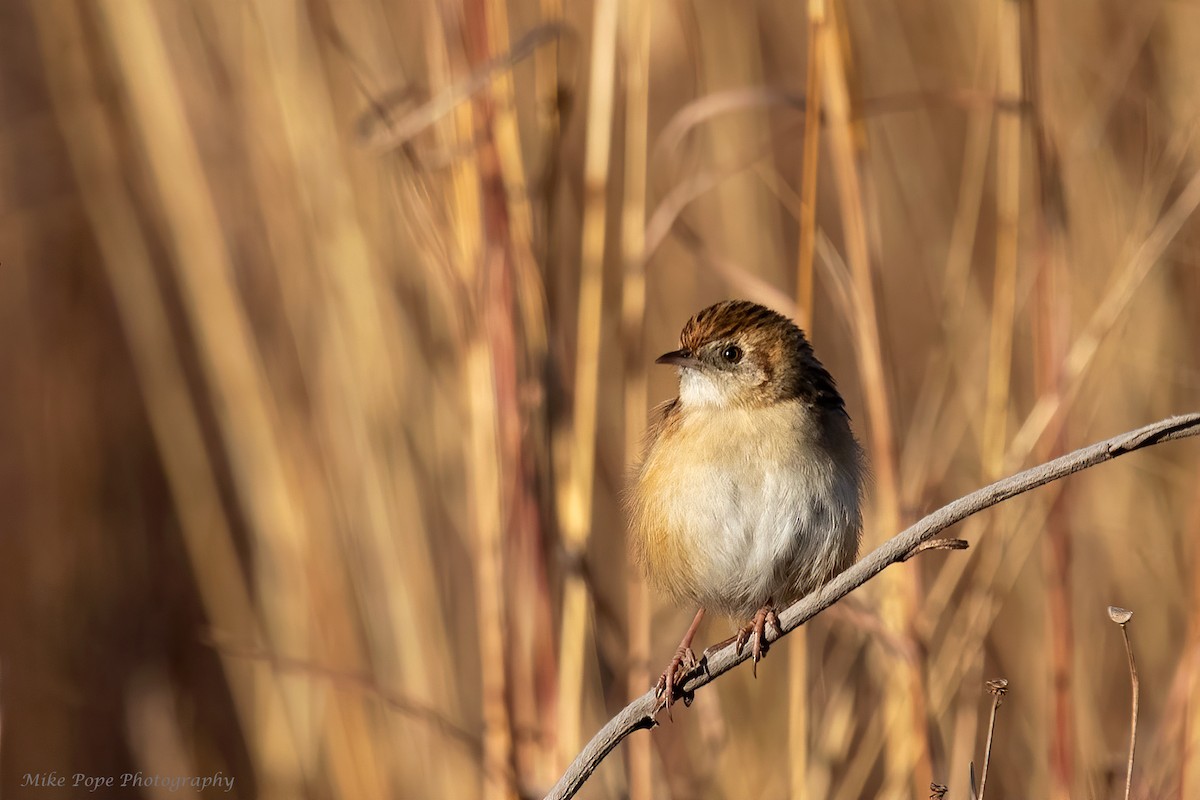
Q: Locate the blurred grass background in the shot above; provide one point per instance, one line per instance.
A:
(325, 342)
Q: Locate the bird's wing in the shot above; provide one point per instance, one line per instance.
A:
(660, 419)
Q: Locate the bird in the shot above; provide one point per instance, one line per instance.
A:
(749, 490)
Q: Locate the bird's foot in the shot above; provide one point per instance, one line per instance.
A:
(676, 672)
(757, 629)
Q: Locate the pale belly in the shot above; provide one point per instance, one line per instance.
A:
(751, 519)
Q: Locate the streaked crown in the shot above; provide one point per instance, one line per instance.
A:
(741, 353)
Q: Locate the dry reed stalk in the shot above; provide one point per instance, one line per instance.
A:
(869, 740)
(343, 325)
(487, 492)
(1050, 409)
(487, 515)
(741, 221)
(530, 294)
(447, 240)
(810, 163)
(943, 604)
(733, 272)
(837, 725)
(639, 611)
(961, 642)
(640, 772)
(274, 72)
(961, 304)
(1189, 730)
(1176, 733)
(965, 725)
(156, 730)
(173, 416)
(798, 677)
(549, 84)
(838, 281)
(1119, 64)
(798, 715)
(1051, 312)
(1008, 199)
(230, 361)
(395, 583)
(1060, 637)
(525, 344)
(980, 611)
(463, 219)
(950, 661)
(489, 376)
(1049, 412)
(996, 571)
(873, 738)
(576, 505)
(461, 237)
(907, 758)
(964, 624)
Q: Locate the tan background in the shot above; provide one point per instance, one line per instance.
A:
(298, 411)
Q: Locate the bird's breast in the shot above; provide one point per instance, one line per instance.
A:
(741, 505)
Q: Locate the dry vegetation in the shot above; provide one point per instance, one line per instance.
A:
(326, 330)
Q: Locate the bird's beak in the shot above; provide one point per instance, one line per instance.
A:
(679, 358)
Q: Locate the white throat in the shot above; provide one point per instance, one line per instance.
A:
(697, 389)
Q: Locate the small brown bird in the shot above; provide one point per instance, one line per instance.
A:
(749, 490)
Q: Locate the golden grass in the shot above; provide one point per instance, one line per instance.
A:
(798, 654)
(575, 502)
(330, 345)
(635, 51)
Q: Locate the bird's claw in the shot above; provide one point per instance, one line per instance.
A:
(676, 672)
(758, 630)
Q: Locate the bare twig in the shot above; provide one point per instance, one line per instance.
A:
(997, 688)
(639, 714)
(939, 544)
(1121, 616)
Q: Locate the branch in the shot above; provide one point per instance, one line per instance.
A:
(640, 713)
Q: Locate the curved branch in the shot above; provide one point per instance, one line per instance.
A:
(640, 713)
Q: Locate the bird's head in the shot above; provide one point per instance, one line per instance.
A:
(740, 354)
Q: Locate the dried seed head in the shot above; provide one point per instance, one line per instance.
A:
(998, 686)
(1119, 615)
(937, 791)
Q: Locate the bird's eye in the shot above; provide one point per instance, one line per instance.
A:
(732, 353)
